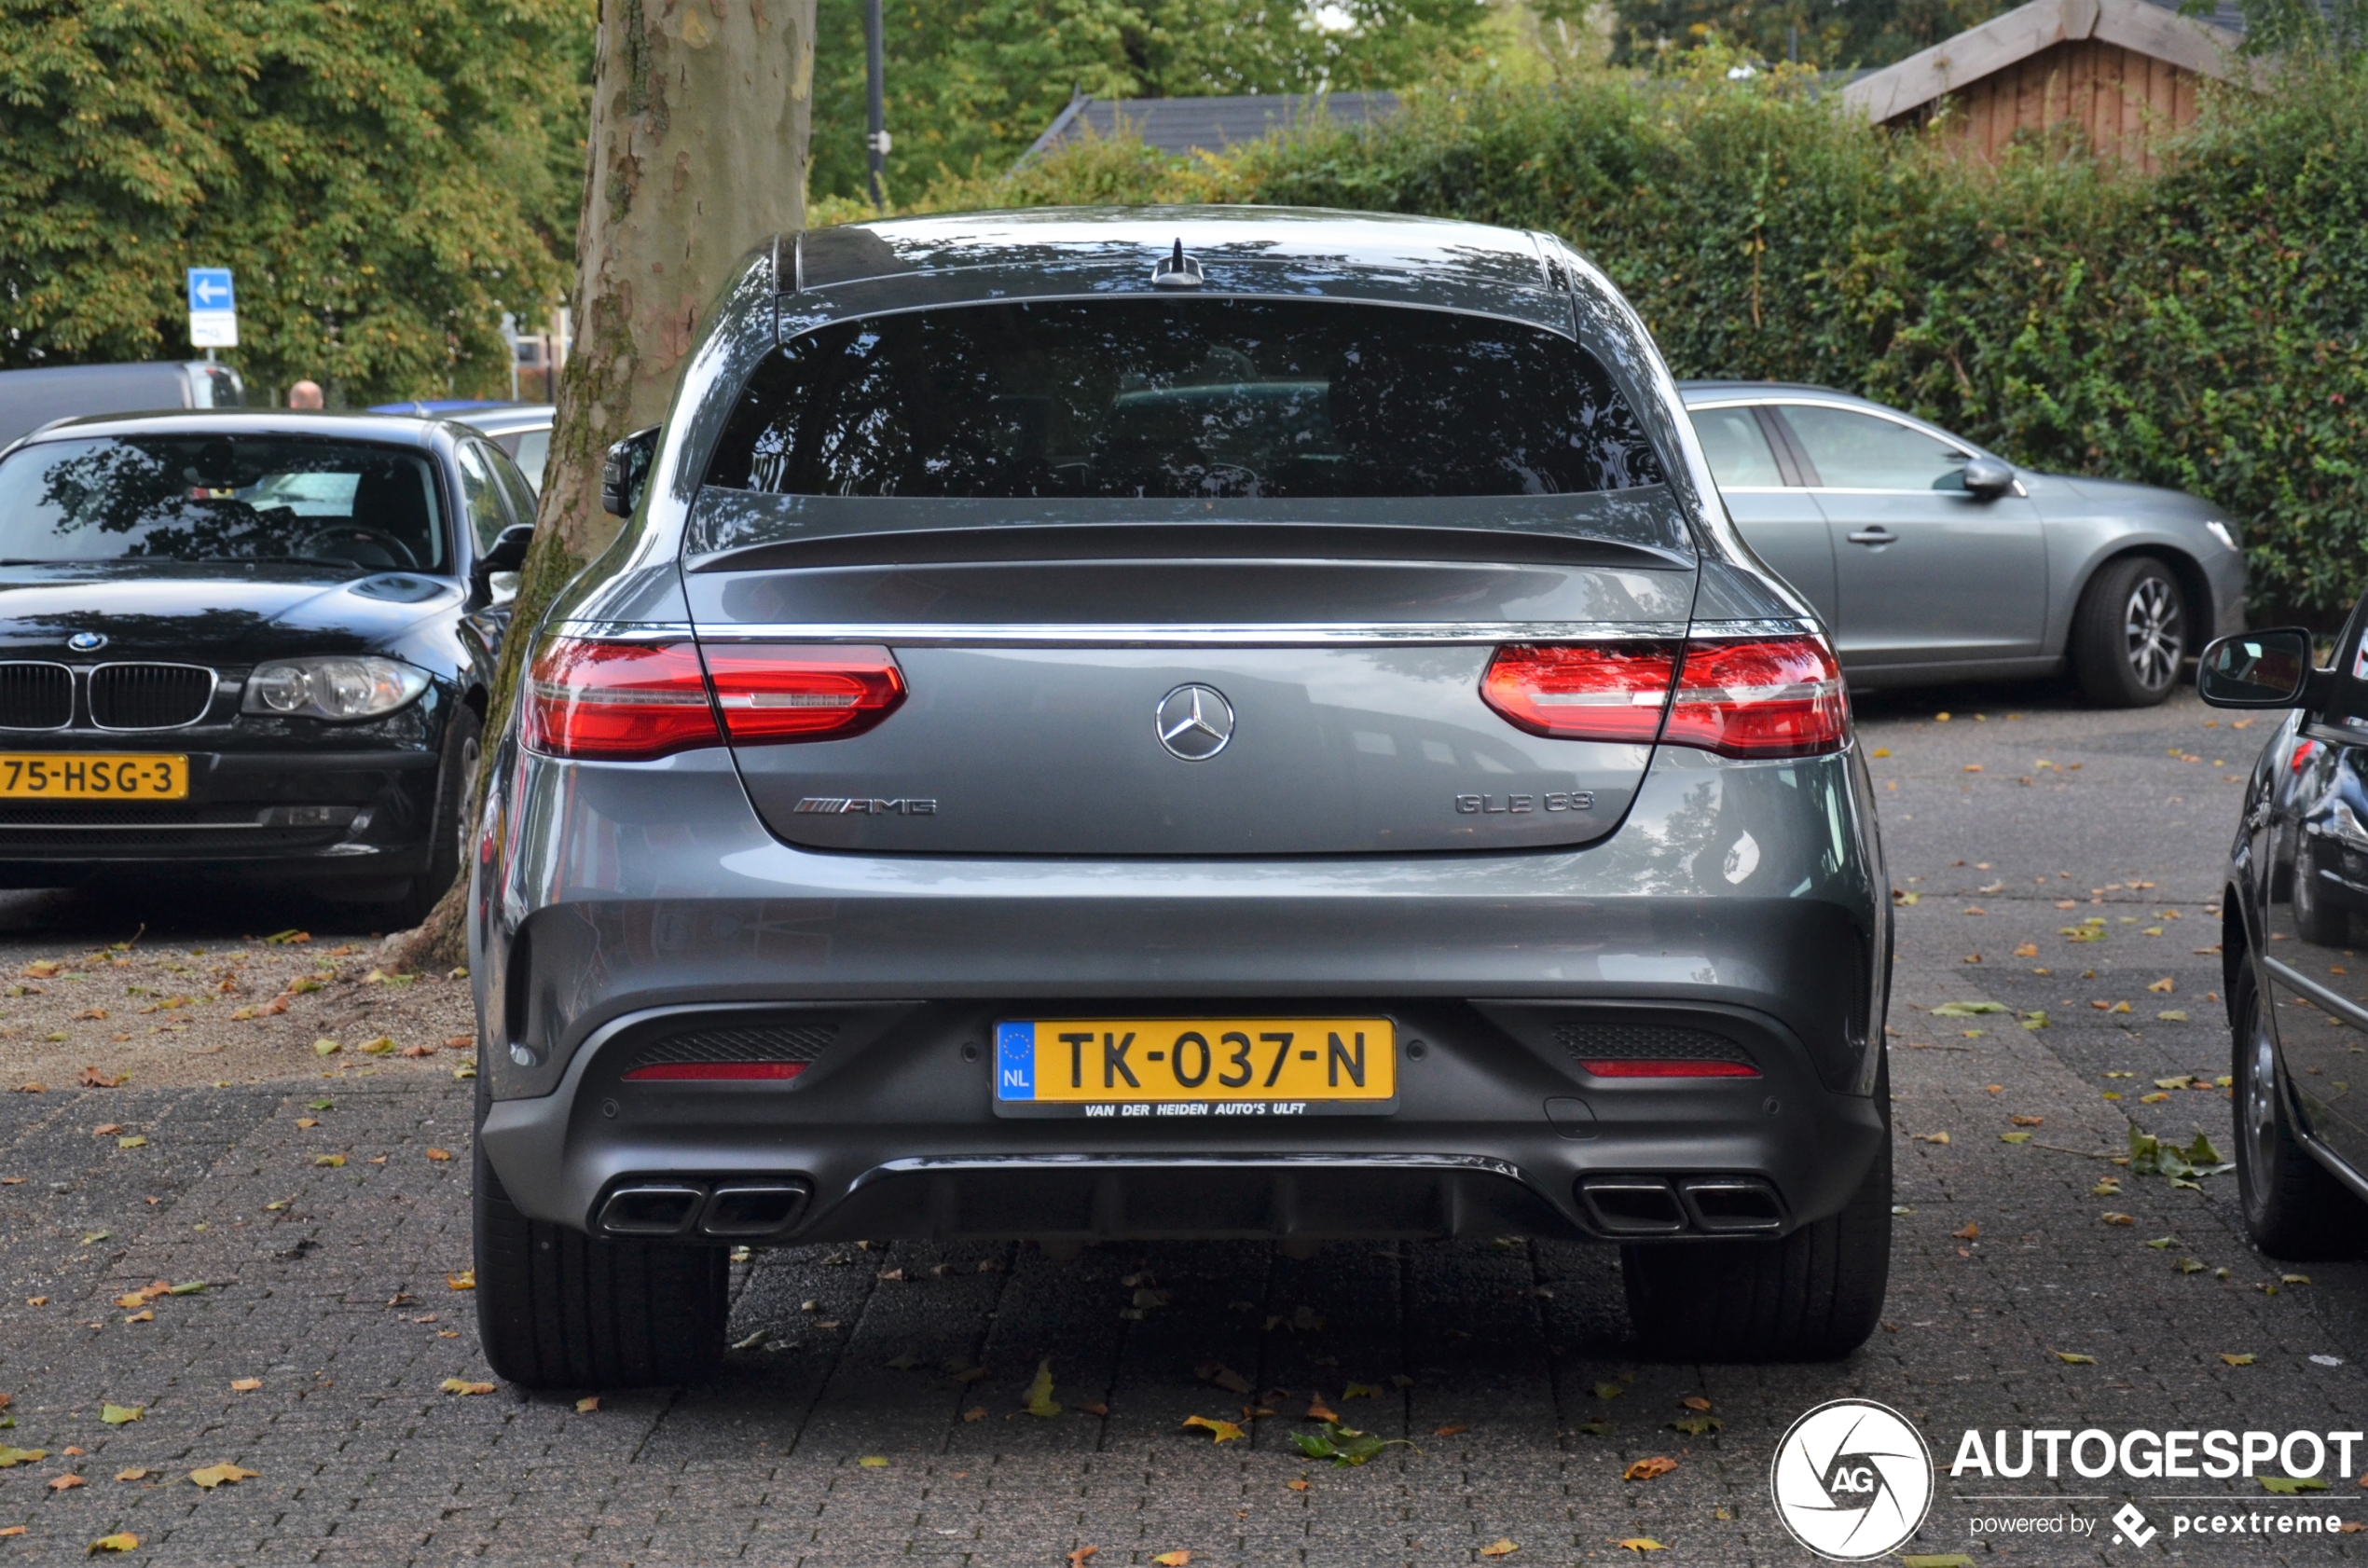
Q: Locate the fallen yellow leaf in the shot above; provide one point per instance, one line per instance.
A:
(2237, 1361)
(458, 1386)
(1219, 1431)
(2073, 1358)
(587, 1404)
(873, 1461)
(1640, 1545)
(65, 1483)
(334, 1162)
(1173, 1559)
(439, 1154)
(222, 1475)
(1645, 1469)
(134, 1474)
(1501, 1547)
(122, 1540)
(116, 1415)
(465, 1280)
(246, 1385)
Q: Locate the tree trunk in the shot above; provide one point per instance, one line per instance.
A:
(697, 152)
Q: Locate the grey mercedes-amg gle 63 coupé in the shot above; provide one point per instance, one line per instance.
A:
(1176, 724)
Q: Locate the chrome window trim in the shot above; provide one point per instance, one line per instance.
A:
(1909, 421)
(1367, 634)
(213, 682)
(73, 696)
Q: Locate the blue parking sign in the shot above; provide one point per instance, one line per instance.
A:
(209, 289)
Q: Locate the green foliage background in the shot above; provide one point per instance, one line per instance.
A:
(2201, 328)
(971, 83)
(385, 180)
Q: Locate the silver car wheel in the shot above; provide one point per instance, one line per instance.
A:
(2153, 635)
(2261, 1102)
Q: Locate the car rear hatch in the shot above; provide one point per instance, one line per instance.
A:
(1250, 697)
(1155, 576)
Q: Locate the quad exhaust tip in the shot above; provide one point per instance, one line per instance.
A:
(729, 1211)
(1651, 1206)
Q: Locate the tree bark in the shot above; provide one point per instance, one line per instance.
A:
(697, 152)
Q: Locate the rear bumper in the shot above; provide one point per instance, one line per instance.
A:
(1497, 1131)
(614, 903)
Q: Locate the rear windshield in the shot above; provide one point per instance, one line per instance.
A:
(1181, 399)
(343, 505)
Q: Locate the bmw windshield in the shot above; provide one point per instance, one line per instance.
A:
(347, 505)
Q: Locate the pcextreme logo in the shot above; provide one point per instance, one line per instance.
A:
(1852, 1479)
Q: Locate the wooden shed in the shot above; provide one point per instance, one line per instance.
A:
(2120, 74)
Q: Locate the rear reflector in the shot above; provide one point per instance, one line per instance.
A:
(616, 701)
(772, 692)
(1582, 691)
(1764, 697)
(713, 1072)
(1662, 1069)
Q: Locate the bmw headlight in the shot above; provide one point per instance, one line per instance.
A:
(342, 687)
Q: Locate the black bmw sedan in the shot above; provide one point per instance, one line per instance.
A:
(250, 645)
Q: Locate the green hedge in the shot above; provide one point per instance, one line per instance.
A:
(2200, 328)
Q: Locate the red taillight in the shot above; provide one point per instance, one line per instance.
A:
(770, 692)
(1668, 1069)
(714, 1072)
(616, 701)
(1582, 691)
(1761, 697)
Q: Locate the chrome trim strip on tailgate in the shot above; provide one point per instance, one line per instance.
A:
(906, 634)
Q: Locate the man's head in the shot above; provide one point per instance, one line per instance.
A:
(305, 394)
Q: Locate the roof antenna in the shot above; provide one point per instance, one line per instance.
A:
(1178, 272)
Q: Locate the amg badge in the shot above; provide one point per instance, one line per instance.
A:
(834, 805)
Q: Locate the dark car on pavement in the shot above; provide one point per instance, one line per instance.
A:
(249, 646)
(2294, 920)
(1197, 723)
(1930, 560)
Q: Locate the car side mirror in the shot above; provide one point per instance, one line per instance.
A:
(507, 553)
(1989, 478)
(626, 470)
(2261, 669)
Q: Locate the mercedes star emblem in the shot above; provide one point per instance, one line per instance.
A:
(1194, 722)
(86, 641)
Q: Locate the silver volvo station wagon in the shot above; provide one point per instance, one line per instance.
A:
(1216, 723)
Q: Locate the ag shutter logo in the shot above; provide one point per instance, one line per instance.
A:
(1852, 1479)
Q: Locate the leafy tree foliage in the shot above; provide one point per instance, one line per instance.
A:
(970, 83)
(2200, 328)
(385, 179)
(1827, 33)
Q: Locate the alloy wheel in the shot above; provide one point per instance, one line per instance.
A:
(2261, 1103)
(2153, 635)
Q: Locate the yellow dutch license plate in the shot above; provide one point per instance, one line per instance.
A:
(1194, 1067)
(92, 775)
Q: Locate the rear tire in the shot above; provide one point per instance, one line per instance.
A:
(557, 1309)
(2293, 1209)
(2129, 637)
(1813, 1296)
